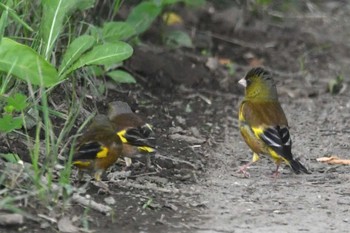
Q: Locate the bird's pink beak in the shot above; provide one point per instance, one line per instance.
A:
(243, 82)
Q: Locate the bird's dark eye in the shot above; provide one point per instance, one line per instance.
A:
(267, 77)
(249, 81)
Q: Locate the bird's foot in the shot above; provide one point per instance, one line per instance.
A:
(103, 187)
(276, 174)
(243, 170)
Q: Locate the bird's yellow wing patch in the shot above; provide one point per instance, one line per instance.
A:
(241, 115)
(103, 153)
(133, 137)
(81, 163)
(276, 157)
(145, 149)
(121, 135)
(258, 131)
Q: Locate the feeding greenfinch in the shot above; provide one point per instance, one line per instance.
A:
(98, 148)
(132, 129)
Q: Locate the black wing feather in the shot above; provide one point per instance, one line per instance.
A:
(279, 139)
(137, 137)
(87, 151)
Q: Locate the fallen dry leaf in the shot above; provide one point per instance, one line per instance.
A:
(171, 18)
(255, 62)
(225, 61)
(333, 160)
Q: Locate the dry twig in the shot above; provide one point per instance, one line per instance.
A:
(92, 204)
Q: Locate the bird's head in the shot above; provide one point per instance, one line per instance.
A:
(117, 108)
(259, 84)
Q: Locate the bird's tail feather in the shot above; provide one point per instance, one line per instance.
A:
(298, 167)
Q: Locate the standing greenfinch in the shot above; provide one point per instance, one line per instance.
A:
(262, 122)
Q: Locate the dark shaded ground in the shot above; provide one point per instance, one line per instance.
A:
(194, 185)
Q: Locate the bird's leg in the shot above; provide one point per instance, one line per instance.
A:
(98, 174)
(243, 169)
(276, 173)
(80, 175)
(99, 183)
(149, 165)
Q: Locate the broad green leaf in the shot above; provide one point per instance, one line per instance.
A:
(9, 109)
(178, 39)
(121, 76)
(95, 71)
(78, 46)
(18, 101)
(96, 32)
(106, 54)
(187, 2)
(115, 31)
(194, 3)
(54, 14)
(9, 123)
(166, 2)
(142, 16)
(23, 62)
(263, 2)
(85, 4)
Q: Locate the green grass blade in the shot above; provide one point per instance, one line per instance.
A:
(54, 14)
(15, 17)
(3, 23)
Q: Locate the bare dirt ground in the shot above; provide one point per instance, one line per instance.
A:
(193, 185)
